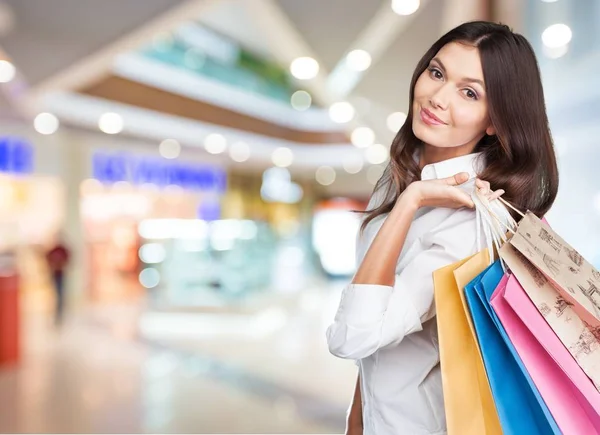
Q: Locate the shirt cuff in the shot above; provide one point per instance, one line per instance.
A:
(364, 304)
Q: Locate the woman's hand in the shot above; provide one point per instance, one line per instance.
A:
(445, 192)
(440, 193)
(485, 189)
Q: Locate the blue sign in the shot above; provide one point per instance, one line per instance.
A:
(16, 155)
(113, 167)
(209, 211)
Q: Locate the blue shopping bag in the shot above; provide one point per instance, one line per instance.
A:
(520, 407)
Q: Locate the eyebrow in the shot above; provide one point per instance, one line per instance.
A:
(466, 79)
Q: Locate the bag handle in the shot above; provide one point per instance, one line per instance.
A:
(512, 224)
(489, 219)
(508, 204)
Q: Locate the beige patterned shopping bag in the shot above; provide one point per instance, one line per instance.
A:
(577, 281)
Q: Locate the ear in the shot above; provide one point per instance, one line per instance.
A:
(490, 131)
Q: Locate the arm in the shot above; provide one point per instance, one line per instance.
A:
(354, 424)
(379, 265)
(380, 308)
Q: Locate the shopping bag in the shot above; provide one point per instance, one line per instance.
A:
(577, 281)
(569, 395)
(521, 409)
(579, 338)
(468, 400)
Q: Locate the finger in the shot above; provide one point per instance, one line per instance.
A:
(457, 179)
(483, 186)
(481, 183)
(464, 199)
(497, 194)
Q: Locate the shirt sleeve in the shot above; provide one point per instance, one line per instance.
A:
(371, 317)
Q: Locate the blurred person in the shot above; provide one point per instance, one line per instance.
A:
(57, 258)
(476, 120)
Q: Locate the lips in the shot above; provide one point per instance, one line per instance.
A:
(429, 118)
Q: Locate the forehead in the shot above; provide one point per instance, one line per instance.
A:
(461, 60)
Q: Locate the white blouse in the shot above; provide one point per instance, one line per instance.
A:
(392, 331)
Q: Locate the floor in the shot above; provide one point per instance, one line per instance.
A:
(127, 369)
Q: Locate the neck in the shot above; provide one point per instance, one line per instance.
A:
(431, 154)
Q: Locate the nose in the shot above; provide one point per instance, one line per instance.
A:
(440, 98)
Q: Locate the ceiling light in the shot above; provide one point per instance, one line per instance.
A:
(111, 123)
(149, 277)
(7, 71)
(358, 60)
(405, 7)
(215, 143)
(557, 35)
(239, 152)
(362, 137)
(152, 253)
(282, 157)
(376, 154)
(46, 123)
(304, 68)
(169, 149)
(395, 121)
(325, 175)
(341, 112)
(277, 175)
(353, 164)
(301, 100)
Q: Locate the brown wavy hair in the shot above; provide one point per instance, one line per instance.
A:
(520, 158)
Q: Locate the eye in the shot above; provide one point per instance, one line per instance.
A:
(435, 73)
(470, 94)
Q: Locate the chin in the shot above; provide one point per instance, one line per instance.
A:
(426, 135)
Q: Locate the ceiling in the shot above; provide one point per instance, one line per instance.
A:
(50, 35)
(329, 27)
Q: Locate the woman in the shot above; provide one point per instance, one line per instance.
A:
(476, 113)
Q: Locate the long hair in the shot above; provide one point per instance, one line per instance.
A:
(520, 157)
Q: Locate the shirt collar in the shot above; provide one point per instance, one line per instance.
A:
(471, 163)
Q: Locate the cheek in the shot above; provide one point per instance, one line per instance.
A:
(468, 115)
(421, 87)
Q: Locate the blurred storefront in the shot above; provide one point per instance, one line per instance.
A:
(182, 233)
(32, 209)
(128, 196)
(193, 235)
(335, 224)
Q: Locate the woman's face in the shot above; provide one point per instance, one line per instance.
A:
(450, 107)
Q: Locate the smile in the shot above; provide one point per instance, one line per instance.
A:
(429, 118)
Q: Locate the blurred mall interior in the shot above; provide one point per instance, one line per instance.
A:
(199, 161)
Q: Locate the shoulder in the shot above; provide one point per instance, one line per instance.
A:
(456, 233)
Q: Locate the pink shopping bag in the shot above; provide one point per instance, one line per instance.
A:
(568, 392)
